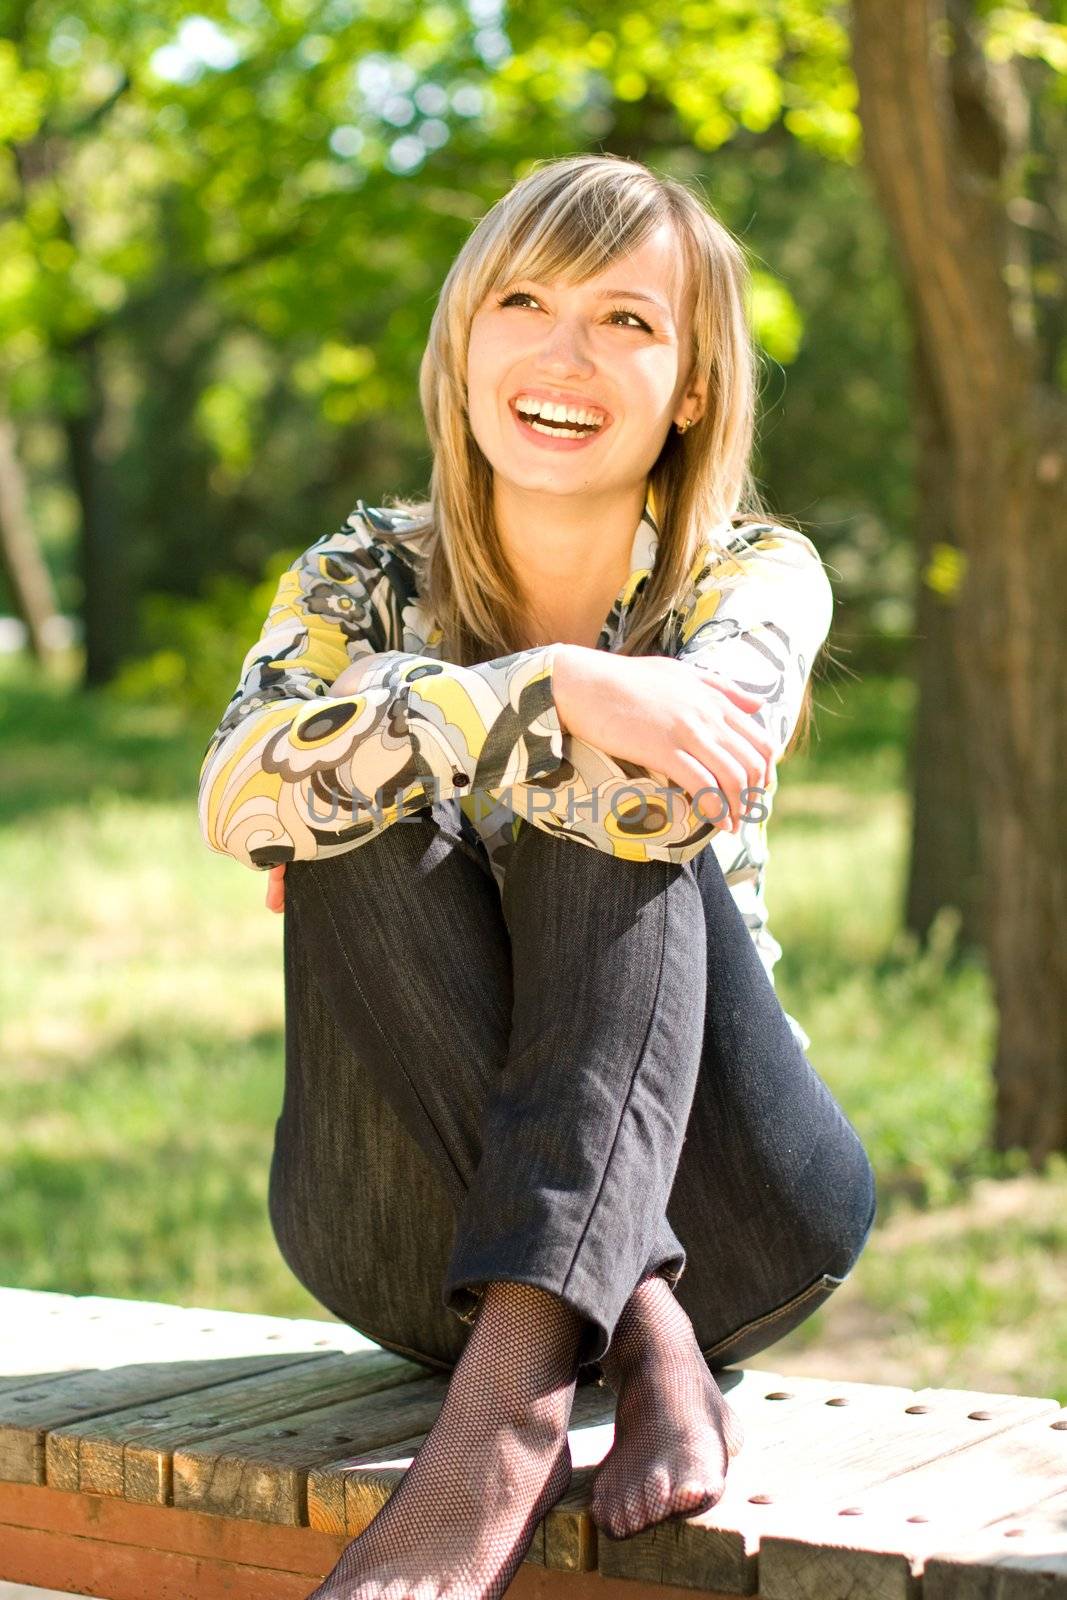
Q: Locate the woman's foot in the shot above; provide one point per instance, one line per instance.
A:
(494, 1463)
(674, 1432)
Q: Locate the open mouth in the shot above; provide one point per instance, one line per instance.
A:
(559, 421)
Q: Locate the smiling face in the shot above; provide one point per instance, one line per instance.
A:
(600, 371)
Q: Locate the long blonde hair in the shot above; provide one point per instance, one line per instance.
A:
(568, 219)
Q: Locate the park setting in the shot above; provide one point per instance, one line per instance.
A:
(223, 234)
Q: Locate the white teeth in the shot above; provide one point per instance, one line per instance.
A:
(549, 411)
(560, 433)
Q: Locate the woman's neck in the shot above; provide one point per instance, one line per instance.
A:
(571, 557)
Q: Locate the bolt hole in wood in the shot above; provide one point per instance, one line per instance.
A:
(917, 1411)
(838, 1400)
(1014, 1533)
(1059, 1426)
(980, 1416)
(851, 1511)
(778, 1394)
(761, 1499)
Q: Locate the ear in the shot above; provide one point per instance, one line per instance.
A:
(695, 399)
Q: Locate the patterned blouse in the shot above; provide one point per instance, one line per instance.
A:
(293, 773)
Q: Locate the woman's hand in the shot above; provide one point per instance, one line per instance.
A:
(671, 717)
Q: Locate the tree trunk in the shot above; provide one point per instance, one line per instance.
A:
(944, 132)
(944, 870)
(29, 580)
(106, 600)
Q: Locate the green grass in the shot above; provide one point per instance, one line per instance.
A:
(141, 1011)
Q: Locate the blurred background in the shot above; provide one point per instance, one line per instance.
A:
(222, 233)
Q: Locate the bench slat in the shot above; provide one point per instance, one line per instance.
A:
(261, 1472)
(1013, 1558)
(129, 1453)
(127, 1357)
(964, 1489)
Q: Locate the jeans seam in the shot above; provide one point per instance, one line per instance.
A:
(769, 1316)
(386, 1040)
(660, 901)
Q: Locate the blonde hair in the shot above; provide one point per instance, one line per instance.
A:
(568, 219)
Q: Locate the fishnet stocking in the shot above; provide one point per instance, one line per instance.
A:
(492, 1465)
(674, 1432)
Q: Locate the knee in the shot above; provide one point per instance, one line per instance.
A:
(854, 1215)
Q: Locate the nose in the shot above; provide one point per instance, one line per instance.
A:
(563, 350)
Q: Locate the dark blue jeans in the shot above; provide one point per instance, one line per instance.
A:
(589, 1081)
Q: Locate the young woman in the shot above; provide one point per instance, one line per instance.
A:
(513, 752)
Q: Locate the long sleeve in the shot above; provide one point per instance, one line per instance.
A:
(760, 627)
(292, 772)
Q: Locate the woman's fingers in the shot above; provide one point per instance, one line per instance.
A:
(276, 888)
(704, 791)
(750, 696)
(707, 779)
(756, 748)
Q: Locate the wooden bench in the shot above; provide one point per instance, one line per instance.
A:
(155, 1453)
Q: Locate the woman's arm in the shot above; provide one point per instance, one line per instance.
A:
(757, 629)
(295, 770)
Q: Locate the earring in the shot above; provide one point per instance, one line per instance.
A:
(682, 426)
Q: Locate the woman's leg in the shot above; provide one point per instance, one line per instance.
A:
(387, 1070)
(397, 1031)
(774, 1195)
(407, 956)
(561, 904)
(773, 1199)
(585, 1121)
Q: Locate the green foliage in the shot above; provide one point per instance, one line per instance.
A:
(195, 647)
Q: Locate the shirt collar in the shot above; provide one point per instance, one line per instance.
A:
(642, 560)
(643, 547)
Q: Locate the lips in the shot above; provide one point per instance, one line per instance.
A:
(557, 440)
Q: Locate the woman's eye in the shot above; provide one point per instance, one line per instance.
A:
(616, 311)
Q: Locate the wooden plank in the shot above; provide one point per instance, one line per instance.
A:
(27, 1416)
(119, 1551)
(785, 1419)
(44, 1334)
(40, 1342)
(128, 1453)
(858, 1536)
(261, 1472)
(137, 1356)
(1019, 1557)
